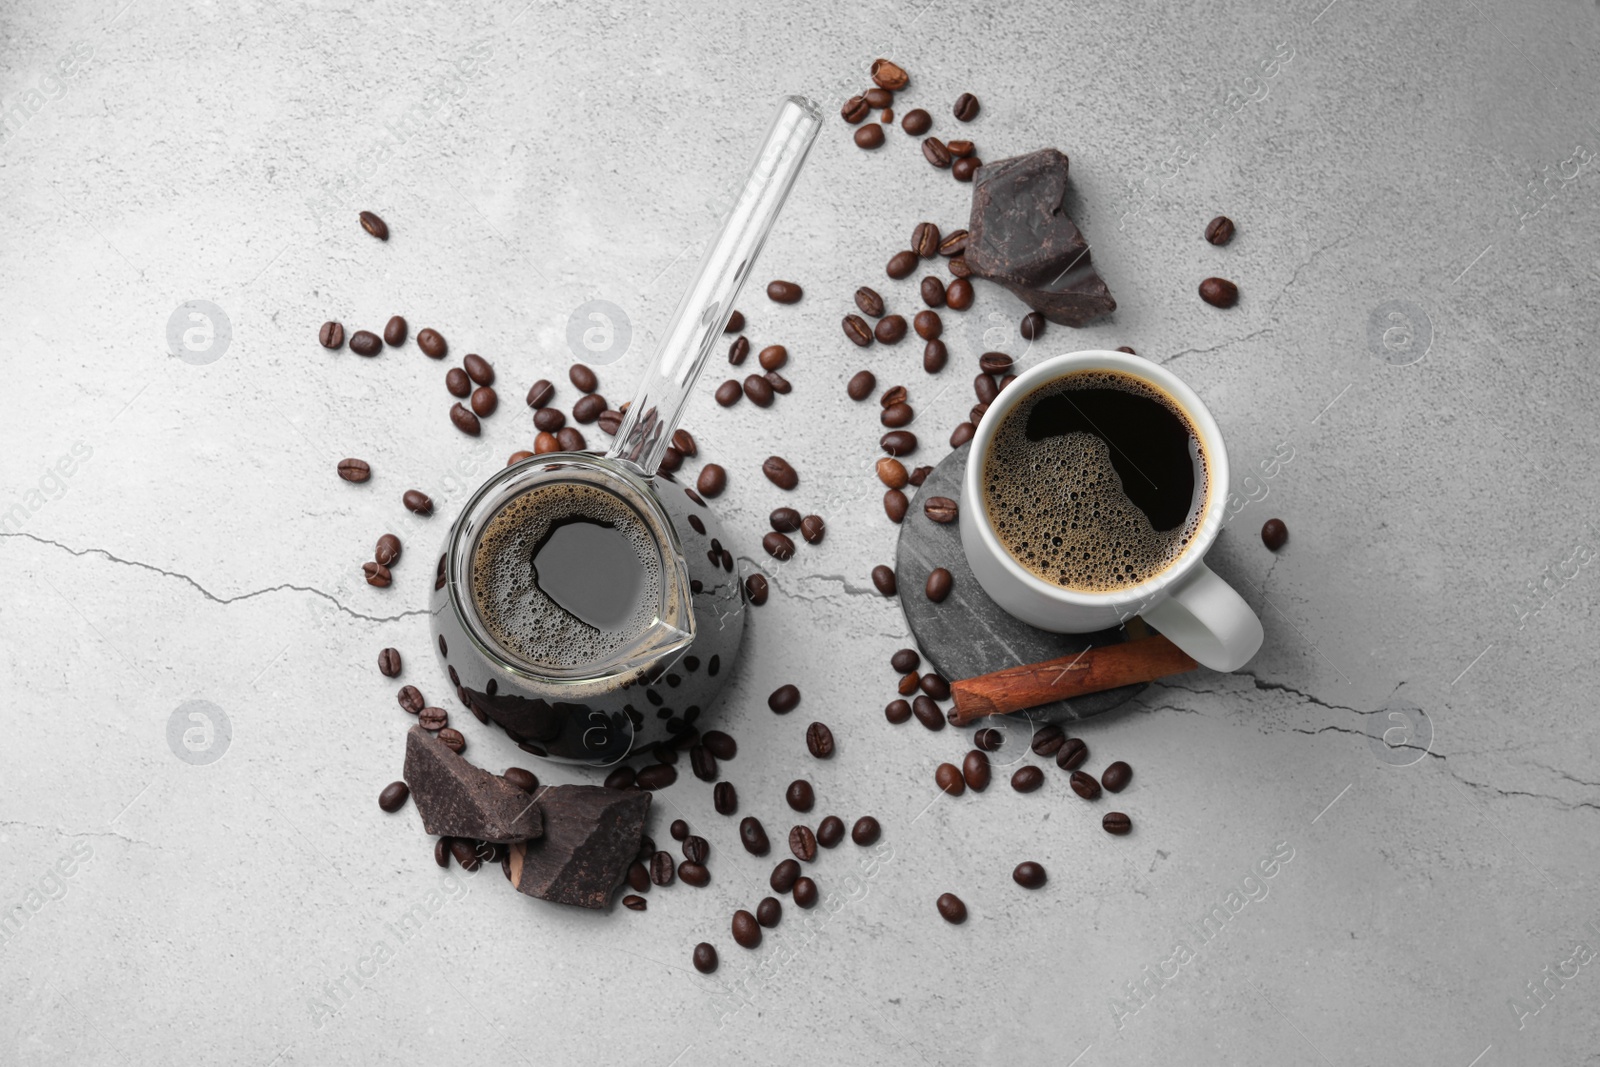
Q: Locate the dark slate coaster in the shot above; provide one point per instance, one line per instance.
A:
(969, 634)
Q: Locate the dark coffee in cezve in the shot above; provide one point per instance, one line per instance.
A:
(1095, 481)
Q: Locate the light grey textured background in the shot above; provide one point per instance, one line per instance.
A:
(1441, 498)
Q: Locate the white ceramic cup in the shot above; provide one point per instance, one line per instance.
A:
(1196, 610)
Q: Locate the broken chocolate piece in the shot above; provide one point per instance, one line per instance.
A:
(1020, 236)
(591, 836)
(455, 798)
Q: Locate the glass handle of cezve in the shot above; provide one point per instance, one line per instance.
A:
(703, 312)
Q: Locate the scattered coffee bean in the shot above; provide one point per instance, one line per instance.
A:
(783, 876)
(684, 442)
(769, 912)
(902, 264)
(800, 795)
(755, 589)
(934, 151)
(891, 329)
(962, 434)
(940, 509)
(784, 699)
(746, 931)
(947, 776)
(925, 240)
(331, 336)
(984, 389)
(898, 442)
(739, 351)
(453, 740)
(725, 798)
(484, 401)
(830, 831)
(963, 170)
(1219, 231)
(354, 470)
(779, 383)
(394, 796)
(679, 829)
(895, 505)
(728, 393)
(994, 363)
(854, 110)
(1027, 778)
(692, 873)
(549, 420)
(712, 481)
(432, 343)
(779, 473)
(457, 383)
(958, 294)
(939, 584)
(1047, 740)
(778, 546)
(1116, 777)
(663, 868)
(916, 122)
(1115, 822)
(387, 550)
(784, 520)
(966, 108)
(934, 685)
(410, 698)
(803, 843)
(671, 458)
(417, 501)
(702, 763)
(856, 328)
(570, 439)
(588, 408)
(759, 390)
(583, 378)
(897, 712)
(927, 712)
(805, 892)
(975, 770)
(657, 776)
(441, 851)
(433, 719)
(813, 529)
(394, 332)
(866, 831)
(908, 683)
(869, 136)
(773, 357)
(621, 777)
(988, 739)
(1128, 350)
(928, 325)
(478, 369)
(932, 290)
(753, 836)
(961, 148)
(1084, 785)
(540, 393)
(906, 659)
(635, 903)
(522, 778)
(465, 420)
(951, 909)
(975, 416)
(1032, 327)
(819, 740)
(891, 472)
(954, 243)
(883, 578)
(959, 268)
(377, 575)
(869, 302)
(934, 356)
(696, 849)
(374, 225)
(1219, 292)
(705, 958)
(889, 76)
(1029, 875)
(897, 415)
(1274, 534)
(895, 394)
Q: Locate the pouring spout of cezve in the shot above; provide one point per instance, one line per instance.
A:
(704, 310)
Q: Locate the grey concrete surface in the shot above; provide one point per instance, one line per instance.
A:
(1415, 191)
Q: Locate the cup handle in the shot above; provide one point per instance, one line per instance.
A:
(1208, 619)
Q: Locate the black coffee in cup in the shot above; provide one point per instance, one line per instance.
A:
(1095, 481)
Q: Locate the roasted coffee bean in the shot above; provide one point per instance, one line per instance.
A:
(684, 442)
(755, 589)
(522, 778)
(394, 796)
(1071, 754)
(934, 685)
(800, 795)
(869, 302)
(984, 389)
(671, 458)
(663, 868)
(960, 148)
(679, 829)
(484, 401)
(354, 470)
(784, 699)
(897, 415)
(883, 578)
(778, 546)
(947, 776)
(432, 343)
(959, 268)
(856, 328)
(331, 336)
(434, 719)
(702, 763)
(638, 877)
(753, 836)
(975, 415)
(819, 740)
(898, 442)
(892, 473)
(441, 851)
(417, 501)
(813, 529)
(905, 660)
(951, 909)
(1128, 350)
(1027, 778)
(975, 770)
(784, 520)
(540, 393)
(940, 509)
(583, 378)
(728, 393)
(374, 225)
(759, 390)
(805, 892)
(725, 798)
(1032, 327)
(803, 843)
(465, 853)
(779, 473)
(570, 439)
(888, 75)
(545, 442)
(464, 420)
(664, 752)
(1084, 784)
(1029, 875)
(928, 325)
(773, 357)
(866, 831)
(869, 136)
(934, 356)
(647, 848)
(854, 110)
(895, 394)
(784, 292)
(478, 369)
(954, 243)
(830, 831)
(784, 875)
(635, 903)
(1116, 777)
(1219, 292)
(387, 550)
(895, 505)
(1274, 534)
(621, 776)
(939, 583)
(994, 363)
(657, 776)
(769, 912)
(966, 108)
(934, 151)
(410, 698)
(958, 294)
(1115, 822)
(925, 240)
(457, 383)
(1219, 231)
(988, 739)
(897, 711)
(712, 481)
(916, 122)
(394, 332)
(705, 958)
(963, 170)
(1047, 740)
(549, 420)
(377, 575)
(927, 712)
(453, 740)
(696, 849)
(891, 329)
(588, 408)
(932, 292)
(739, 350)
(909, 683)
(746, 931)
(901, 264)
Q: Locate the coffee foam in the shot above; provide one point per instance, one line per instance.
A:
(520, 616)
(1058, 507)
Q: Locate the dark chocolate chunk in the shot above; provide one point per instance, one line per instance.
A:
(454, 797)
(592, 835)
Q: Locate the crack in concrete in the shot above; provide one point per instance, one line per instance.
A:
(59, 832)
(1295, 277)
(206, 592)
(1224, 344)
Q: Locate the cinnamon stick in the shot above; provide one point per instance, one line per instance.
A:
(1098, 669)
